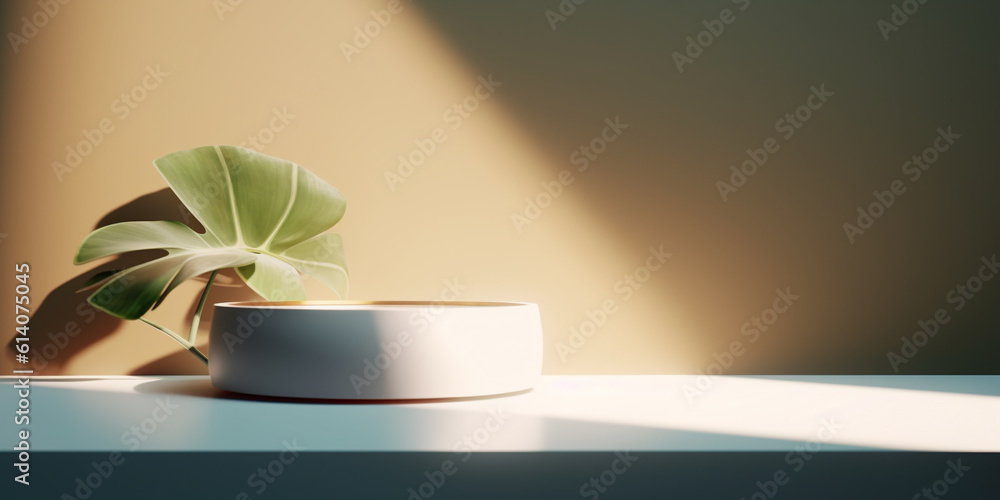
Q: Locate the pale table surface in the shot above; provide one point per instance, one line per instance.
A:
(564, 413)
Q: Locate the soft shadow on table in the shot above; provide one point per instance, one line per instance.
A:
(545, 432)
(202, 387)
(175, 363)
(959, 384)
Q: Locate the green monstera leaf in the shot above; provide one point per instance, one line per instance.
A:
(262, 215)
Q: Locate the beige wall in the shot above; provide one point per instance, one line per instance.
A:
(225, 75)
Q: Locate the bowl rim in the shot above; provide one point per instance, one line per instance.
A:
(350, 304)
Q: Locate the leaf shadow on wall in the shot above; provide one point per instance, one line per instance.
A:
(64, 324)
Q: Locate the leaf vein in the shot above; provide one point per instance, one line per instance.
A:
(288, 209)
(232, 197)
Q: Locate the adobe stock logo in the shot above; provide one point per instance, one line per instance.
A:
(714, 28)
(265, 475)
(455, 115)
(279, 120)
(797, 459)
(48, 9)
(625, 289)
(364, 35)
(122, 107)
(222, 8)
(914, 169)
(390, 351)
(87, 485)
(939, 488)
(752, 328)
(958, 297)
(608, 477)
(464, 448)
(787, 126)
(566, 8)
(583, 158)
(899, 17)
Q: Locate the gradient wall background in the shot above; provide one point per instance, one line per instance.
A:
(230, 69)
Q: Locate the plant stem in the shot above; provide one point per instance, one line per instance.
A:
(180, 340)
(198, 354)
(201, 305)
(189, 342)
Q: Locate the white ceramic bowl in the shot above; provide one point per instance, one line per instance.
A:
(375, 350)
